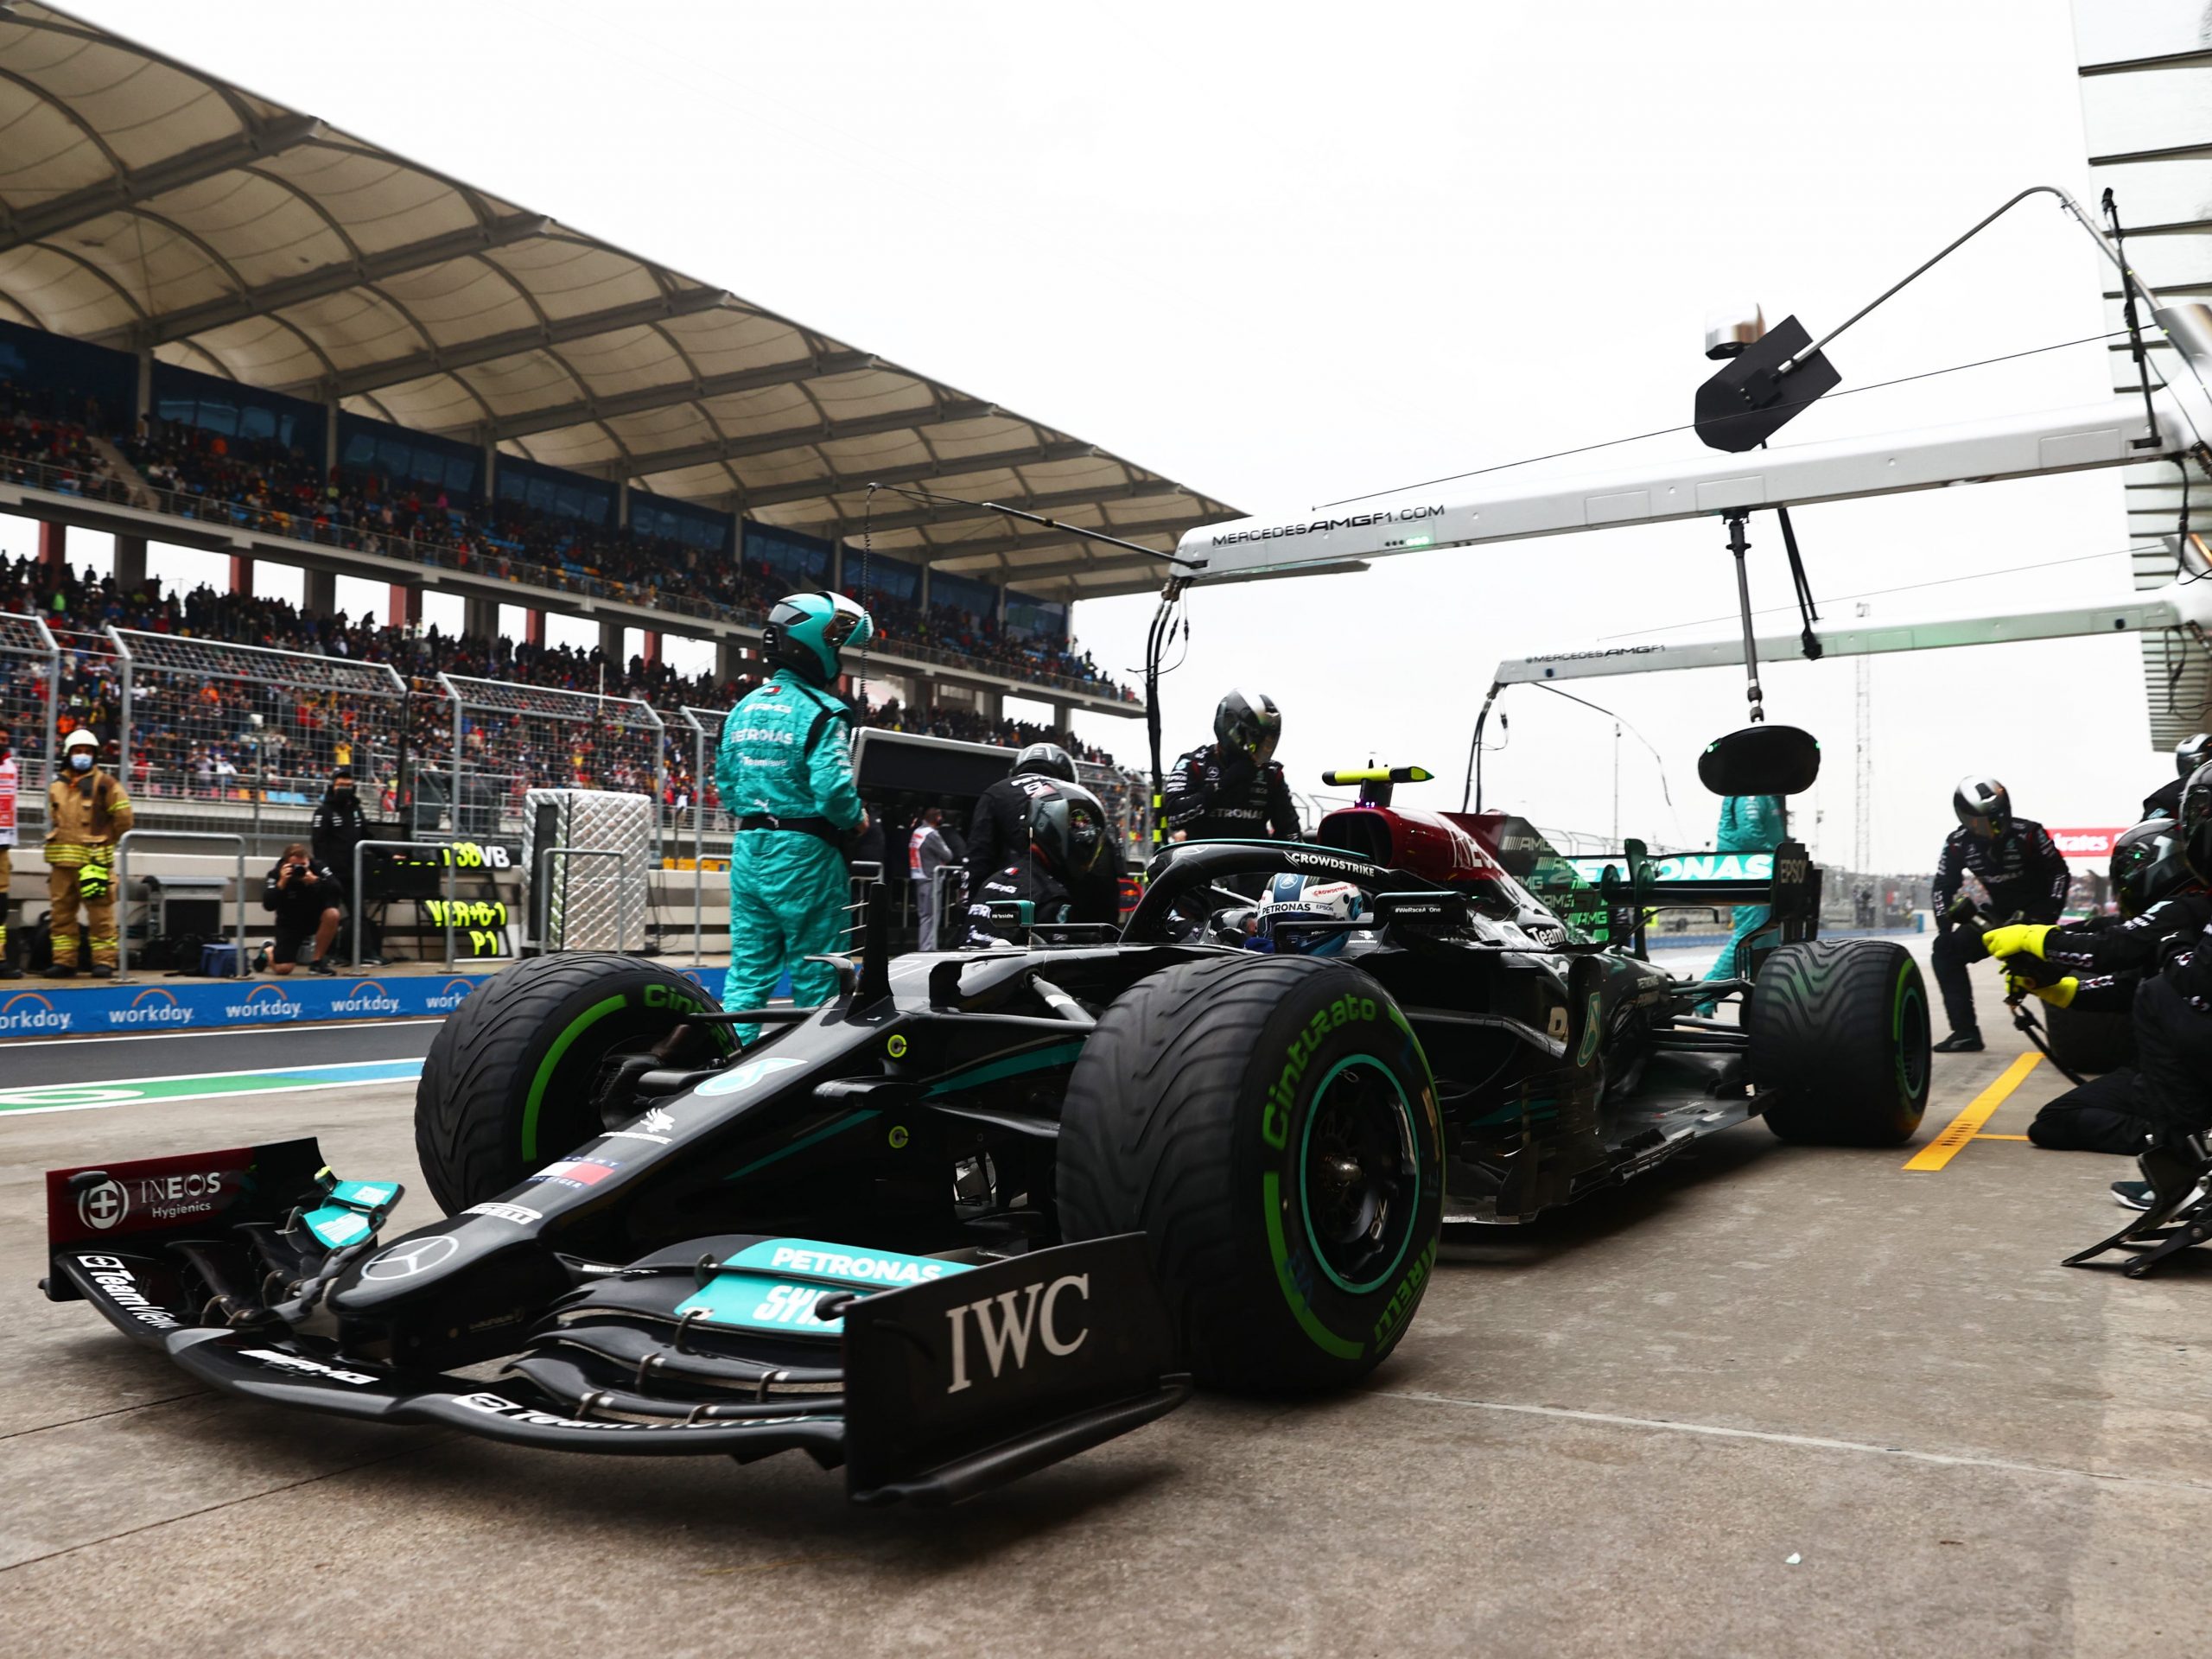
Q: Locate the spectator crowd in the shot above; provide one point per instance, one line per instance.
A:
(264, 484)
(202, 731)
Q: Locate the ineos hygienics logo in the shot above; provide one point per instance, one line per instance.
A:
(101, 1207)
(403, 1261)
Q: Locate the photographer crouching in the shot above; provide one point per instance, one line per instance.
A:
(308, 903)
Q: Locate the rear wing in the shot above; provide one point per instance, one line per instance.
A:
(1609, 897)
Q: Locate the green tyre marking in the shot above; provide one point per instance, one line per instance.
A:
(590, 1016)
(1324, 1339)
(1305, 1143)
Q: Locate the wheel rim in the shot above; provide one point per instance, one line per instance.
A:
(1912, 1035)
(1359, 1174)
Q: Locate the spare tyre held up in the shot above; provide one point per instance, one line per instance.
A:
(508, 1083)
(1270, 1125)
(1839, 1042)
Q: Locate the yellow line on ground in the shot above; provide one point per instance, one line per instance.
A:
(2000, 1137)
(1968, 1124)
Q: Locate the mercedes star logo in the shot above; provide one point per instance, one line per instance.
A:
(404, 1259)
(100, 1207)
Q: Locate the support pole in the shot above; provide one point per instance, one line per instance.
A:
(1739, 546)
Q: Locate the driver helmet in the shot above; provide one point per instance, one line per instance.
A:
(806, 631)
(1047, 759)
(1292, 896)
(2191, 752)
(2196, 823)
(1984, 806)
(1248, 723)
(1067, 830)
(2148, 866)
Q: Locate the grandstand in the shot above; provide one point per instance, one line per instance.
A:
(225, 325)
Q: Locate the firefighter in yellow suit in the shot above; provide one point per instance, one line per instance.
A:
(86, 813)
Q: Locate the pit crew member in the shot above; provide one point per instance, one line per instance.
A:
(2026, 878)
(87, 812)
(1748, 824)
(2189, 753)
(786, 769)
(2098, 965)
(1069, 867)
(998, 829)
(1232, 787)
(2172, 1009)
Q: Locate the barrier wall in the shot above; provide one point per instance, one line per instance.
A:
(203, 1005)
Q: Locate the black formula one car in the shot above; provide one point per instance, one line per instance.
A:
(986, 1208)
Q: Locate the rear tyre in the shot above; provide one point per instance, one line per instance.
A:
(1269, 1124)
(1839, 1031)
(2089, 1040)
(508, 1083)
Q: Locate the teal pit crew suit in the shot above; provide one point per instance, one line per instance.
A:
(1748, 824)
(784, 769)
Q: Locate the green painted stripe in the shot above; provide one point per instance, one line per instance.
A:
(204, 1085)
(851, 1120)
(1014, 1065)
(1324, 1339)
(591, 1016)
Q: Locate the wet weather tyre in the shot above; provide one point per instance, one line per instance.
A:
(1839, 1042)
(508, 1084)
(2089, 1040)
(1270, 1125)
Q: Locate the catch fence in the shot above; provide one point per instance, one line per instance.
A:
(217, 737)
(30, 670)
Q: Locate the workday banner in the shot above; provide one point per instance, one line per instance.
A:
(211, 1004)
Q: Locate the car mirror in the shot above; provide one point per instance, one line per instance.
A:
(1761, 760)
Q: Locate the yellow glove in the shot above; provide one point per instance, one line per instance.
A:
(2018, 938)
(92, 882)
(2059, 993)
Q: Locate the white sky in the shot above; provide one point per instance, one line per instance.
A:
(1289, 254)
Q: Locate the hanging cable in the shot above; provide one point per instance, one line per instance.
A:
(2149, 438)
(1668, 431)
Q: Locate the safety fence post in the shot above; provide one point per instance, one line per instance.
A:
(122, 888)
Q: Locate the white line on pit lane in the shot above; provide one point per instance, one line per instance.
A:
(128, 1083)
(235, 1031)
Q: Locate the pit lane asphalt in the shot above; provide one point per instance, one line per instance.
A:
(1607, 1433)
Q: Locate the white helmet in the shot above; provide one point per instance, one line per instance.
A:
(1291, 896)
(79, 739)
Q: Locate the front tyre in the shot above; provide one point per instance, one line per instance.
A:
(1269, 1124)
(510, 1078)
(1839, 1042)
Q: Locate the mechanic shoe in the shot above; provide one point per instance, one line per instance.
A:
(9, 971)
(101, 971)
(2132, 1195)
(1959, 1042)
(320, 965)
(60, 970)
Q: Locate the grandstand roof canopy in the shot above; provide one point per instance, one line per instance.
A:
(144, 203)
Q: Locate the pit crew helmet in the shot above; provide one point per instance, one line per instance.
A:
(1067, 831)
(1047, 759)
(806, 631)
(1984, 806)
(1290, 897)
(1246, 722)
(2191, 752)
(2148, 866)
(2196, 823)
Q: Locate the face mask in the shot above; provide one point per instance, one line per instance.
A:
(81, 762)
